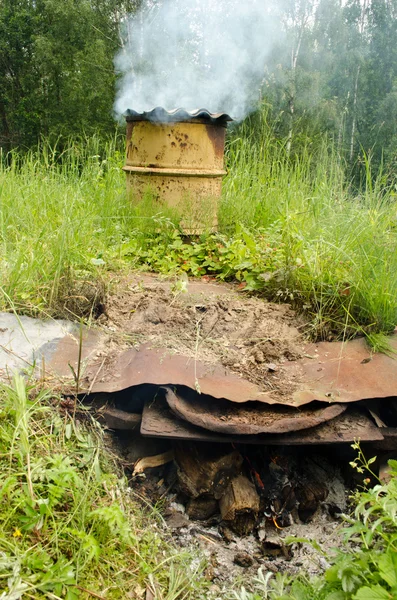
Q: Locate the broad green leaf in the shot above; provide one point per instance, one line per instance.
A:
(350, 580)
(388, 567)
(375, 592)
(68, 431)
(392, 464)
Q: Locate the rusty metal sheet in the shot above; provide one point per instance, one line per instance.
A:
(345, 372)
(49, 348)
(159, 421)
(337, 372)
(159, 367)
(247, 419)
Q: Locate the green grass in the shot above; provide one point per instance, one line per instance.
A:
(338, 249)
(290, 227)
(56, 220)
(71, 527)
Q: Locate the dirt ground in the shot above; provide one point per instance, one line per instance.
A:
(210, 322)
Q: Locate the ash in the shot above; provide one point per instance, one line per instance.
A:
(300, 492)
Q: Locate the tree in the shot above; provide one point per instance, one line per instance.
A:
(56, 67)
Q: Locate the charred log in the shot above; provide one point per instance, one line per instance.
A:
(202, 508)
(205, 470)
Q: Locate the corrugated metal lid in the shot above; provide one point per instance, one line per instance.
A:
(161, 115)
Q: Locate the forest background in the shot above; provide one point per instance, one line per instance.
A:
(334, 73)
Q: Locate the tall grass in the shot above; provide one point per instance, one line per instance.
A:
(59, 212)
(71, 527)
(65, 220)
(339, 250)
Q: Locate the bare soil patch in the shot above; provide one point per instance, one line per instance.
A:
(212, 323)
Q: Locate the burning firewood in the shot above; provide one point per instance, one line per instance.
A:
(202, 508)
(309, 497)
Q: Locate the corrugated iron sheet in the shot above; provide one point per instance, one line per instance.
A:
(159, 421)
(227, 417)
(161, 115)
(337, 372)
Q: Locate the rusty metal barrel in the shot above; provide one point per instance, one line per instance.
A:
(177, 158)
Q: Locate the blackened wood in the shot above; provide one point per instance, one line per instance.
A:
(206, 469)
(114, 418)
(202, 508)
(309, 496)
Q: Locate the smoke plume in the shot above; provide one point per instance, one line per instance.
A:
(195, 54)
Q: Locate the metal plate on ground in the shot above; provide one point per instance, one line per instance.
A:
(346, 371)
(250, 418)
(159, 421)
(158, 366)
(337, 372)
(49, 348)
(333, 372)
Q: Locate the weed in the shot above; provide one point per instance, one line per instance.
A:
(289, 228)
(71, 527)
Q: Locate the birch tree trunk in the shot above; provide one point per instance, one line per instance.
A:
(291, 100)
(301, 13)
(361, 28)
(354, 119)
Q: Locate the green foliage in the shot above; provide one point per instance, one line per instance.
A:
(289, 229)
(60, 210)
(69, 522)
(332, 70)
(335, 72)
(56, 68)
(343, 246)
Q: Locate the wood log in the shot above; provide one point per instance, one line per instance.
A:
(274, 546)
(118, 419)
(309, 496)
(206, 469)
(202, 508)
(239, 505)
(149, 462)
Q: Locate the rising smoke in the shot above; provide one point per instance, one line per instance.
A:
(196, 54)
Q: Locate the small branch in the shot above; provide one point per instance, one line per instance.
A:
(93, 594)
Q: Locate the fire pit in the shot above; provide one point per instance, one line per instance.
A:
(239, 502)
(177, 158)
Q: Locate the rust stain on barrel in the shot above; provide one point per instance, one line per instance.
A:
(217, 137)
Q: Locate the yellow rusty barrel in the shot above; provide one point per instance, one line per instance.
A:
(178, 158)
